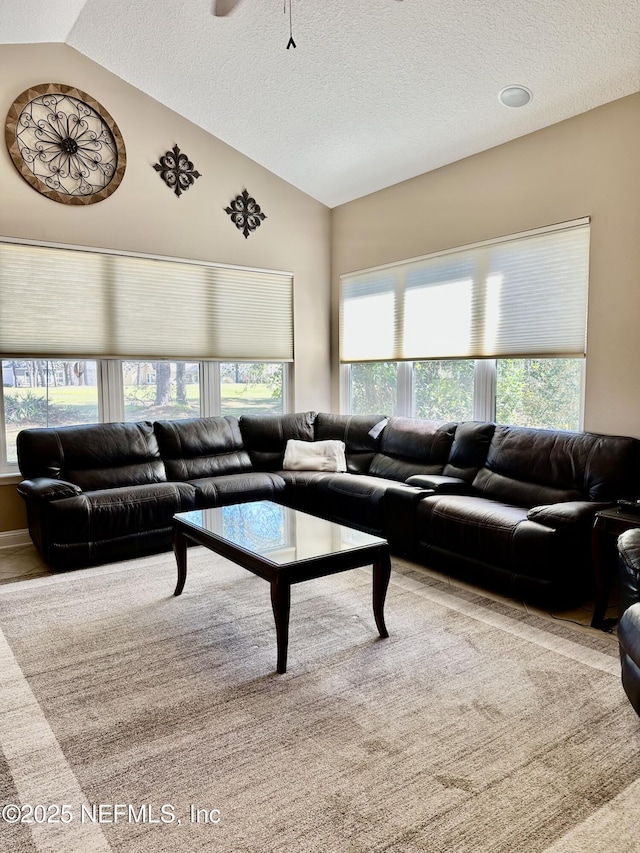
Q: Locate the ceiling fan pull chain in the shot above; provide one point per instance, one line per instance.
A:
(291, 42)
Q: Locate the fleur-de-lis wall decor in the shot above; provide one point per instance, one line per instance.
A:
(177, 171)
(245, 213)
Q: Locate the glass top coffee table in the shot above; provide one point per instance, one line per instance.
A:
(283, 546)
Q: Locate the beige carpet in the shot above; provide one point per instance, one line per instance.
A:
(474, 728)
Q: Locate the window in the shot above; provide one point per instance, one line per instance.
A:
(545, 393)
(251, 387)
(147, 338)
(539, 392)
(443, 390)
(160, 390)
(40, 393)
(374, 388)
(496, 330)
(33, 395)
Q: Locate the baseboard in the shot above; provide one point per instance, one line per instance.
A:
(14, 537)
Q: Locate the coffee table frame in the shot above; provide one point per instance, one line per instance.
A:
(281, 577)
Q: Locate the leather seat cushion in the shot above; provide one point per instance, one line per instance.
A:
(301, 489)
(237, 488)
(112, 512)
(354, 499)
(488, 531)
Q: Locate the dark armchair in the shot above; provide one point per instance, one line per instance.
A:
(629, 605)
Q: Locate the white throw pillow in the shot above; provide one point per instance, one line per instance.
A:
(325, 455)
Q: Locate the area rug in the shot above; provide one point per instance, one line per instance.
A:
(131, 720)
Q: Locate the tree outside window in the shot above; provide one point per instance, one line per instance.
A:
(158, 390)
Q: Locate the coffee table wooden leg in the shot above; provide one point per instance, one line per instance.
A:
(381, 575)
(281, 603)
(180, 550)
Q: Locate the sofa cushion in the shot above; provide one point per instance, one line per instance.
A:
(535, 466)
(265, 436)
(201, 447)
(301, 489)
(469, 450)
(412, 446)
(360, 433)
(354, 499)
(92, 456)
(107, 513)
(520, 492)
(487, 531)
(237, 488)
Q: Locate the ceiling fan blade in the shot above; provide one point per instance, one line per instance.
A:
(222, 8)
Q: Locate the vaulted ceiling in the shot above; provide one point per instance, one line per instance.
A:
(375, 91)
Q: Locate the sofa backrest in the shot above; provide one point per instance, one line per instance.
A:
(530, 467)
(201, 447)
(360, 433)
(411, 446)
(265, 436)
(93, 456)
(469, 450)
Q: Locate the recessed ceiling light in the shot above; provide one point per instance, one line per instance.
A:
(515, 96)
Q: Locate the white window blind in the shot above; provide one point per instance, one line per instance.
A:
(64, 302)
(518, 297)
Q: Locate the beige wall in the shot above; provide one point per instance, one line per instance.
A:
(143, 215)
(586, 166)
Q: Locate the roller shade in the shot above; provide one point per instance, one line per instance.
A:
(518, 297)
(64, 302)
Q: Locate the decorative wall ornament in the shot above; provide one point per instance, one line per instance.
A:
(245, 213)
(65, 144)
(177, 171)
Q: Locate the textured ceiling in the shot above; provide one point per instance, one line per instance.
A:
(377, 91)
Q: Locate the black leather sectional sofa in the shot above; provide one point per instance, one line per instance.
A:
(504, 506)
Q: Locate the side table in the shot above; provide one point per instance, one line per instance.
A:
(607, 526)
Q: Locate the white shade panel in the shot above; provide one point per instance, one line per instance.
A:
(67, 302)
(522, 296)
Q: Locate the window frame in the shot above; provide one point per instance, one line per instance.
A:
(110, 391)
(484, 389)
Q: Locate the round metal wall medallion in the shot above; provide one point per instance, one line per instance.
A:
(65, 144)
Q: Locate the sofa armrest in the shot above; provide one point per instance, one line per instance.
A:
(440, 484)
(400, 504)
(629, 569)
(47, 489)
(566, 515)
